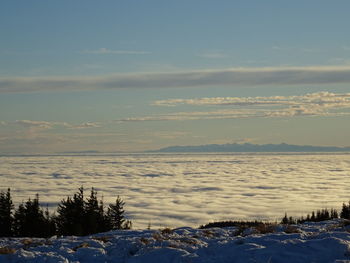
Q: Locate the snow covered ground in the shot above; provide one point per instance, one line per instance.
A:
(327, 241)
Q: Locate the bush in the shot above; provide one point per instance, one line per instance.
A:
(7, 250)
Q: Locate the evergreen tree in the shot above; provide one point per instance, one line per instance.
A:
(345, 212)
(334, 213)
(103, 221)
(6, 216)
(318, 215)
(49, 226)
(285, 220)
(94, 219)
(29, 219)
(313, 217)
(291, 220)
(116, 217)
(19, 221)
(71, 214)
(75, 216)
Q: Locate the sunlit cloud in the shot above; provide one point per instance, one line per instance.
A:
(201, 78)
(324, 104)
(233, 114)
(34, 124)
(50, 125)
(85, 125)
(326, 99)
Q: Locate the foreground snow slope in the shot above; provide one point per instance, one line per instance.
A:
(327, 241)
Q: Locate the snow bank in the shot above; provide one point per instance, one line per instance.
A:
(327, 241)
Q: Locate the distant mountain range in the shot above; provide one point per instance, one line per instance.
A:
(248, 147)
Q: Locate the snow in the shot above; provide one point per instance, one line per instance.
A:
(327, 241)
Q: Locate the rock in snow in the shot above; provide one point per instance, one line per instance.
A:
(327, 241)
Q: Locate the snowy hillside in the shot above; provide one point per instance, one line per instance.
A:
(327, 241)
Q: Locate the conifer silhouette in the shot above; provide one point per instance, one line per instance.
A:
(115, 214)
(6, 214)
(29, 219)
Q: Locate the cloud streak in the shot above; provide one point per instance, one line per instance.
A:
(200, 78)
(106, 51)
(324, 104)
(34, 124)
(234, 114)
(43, 125)
(213, 55)
(325, 99)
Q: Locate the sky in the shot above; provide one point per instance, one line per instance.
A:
(129, 76)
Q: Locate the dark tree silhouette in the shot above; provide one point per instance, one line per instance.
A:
(285, 219)
(345, 212)
(29, 219)
(115, 214)
(75, 216)
(49, 224)
(95, 218)
(6, 216)
(71, 213)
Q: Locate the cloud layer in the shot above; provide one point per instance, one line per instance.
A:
(204, 78)
(177, 190)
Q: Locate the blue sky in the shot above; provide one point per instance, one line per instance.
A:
(139, 75)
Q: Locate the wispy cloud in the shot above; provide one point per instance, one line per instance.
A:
(85, 125)
(42, 125)
(195, 115)
(35, 124)
(340, 61)
(314, 104)
(104, 51)
(298, 49)
(326, 99)
(281, 48)
(235, 114)
(215, 54)
(200, 78)
(169, 134)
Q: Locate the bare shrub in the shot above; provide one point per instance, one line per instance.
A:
(84, 244)
(291, 229)
(144, 241)
(104, 239)
(265, 228)
(7, 250)
(27, 241)
(167, 231)
(156, 236)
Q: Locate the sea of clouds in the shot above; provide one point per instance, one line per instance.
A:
(187, 189)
